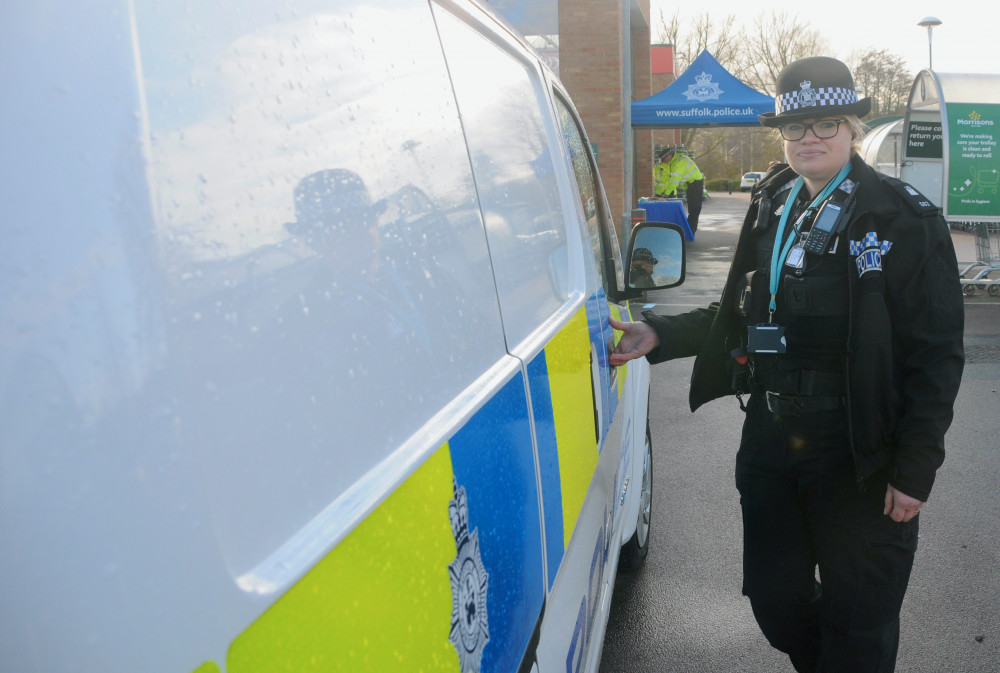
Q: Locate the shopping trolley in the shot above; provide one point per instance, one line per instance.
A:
(988, 261)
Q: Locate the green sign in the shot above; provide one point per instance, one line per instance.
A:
(974, 160)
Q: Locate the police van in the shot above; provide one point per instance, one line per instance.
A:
(304, 334)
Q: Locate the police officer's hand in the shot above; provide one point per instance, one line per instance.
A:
(638, 339)
(899, 506)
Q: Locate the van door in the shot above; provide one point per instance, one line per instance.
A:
(620, 412)
(603, 246)
(548, 249)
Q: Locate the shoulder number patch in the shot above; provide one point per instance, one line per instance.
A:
(917, 202)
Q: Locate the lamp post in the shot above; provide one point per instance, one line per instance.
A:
(929, 22)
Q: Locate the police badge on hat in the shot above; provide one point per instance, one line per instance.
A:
(470, 629)
(807, 96)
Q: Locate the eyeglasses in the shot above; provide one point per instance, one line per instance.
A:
(823, 129)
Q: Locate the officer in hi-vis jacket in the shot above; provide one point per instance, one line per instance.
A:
(674, 170)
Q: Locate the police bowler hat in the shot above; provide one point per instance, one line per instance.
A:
(332, 198)
(644, 254)
(815, 87)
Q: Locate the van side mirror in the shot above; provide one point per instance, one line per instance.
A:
(656, 259)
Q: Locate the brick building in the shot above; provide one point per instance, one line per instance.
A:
(663, 75)
(601, 50)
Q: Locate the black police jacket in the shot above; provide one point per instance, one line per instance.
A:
(904, 356)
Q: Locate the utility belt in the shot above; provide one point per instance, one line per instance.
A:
(802, 382)
(792, 392)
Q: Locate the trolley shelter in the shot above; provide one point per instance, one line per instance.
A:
(881, 146)
(950, 136)
(950, 154)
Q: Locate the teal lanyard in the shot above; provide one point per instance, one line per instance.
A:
(780, 252)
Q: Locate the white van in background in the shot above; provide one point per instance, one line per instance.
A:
(304, 345)
(749, 180)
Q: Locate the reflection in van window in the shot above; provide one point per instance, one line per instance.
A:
(500, 101)
(312, 238)
(589, 194)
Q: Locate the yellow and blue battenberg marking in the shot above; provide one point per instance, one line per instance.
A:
(446, 574)
(622, 371)
(603, 340)
(561, 394)
(382, 599)
(493, 459)
(378, 601)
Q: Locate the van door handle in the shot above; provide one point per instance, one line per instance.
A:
(595, 392)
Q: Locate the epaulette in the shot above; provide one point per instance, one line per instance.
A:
(918, 203)
(771, 178)
(786, 186)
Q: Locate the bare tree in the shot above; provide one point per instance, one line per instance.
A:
(884, 77)
(692, 37)
(773, 41)
(756, 54)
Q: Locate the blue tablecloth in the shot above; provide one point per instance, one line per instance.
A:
(667, 211)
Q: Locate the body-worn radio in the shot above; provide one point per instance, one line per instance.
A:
(827, 222)
(831, 219)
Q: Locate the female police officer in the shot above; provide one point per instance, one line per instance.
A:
(842, 317)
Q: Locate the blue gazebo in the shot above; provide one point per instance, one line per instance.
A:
(705, 94)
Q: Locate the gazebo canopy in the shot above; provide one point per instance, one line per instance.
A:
(705, 94)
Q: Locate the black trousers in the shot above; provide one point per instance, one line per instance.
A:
(694, 196)
(804, 509)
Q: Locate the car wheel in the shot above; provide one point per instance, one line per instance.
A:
(635, 550)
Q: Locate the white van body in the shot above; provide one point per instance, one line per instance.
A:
(304, 345)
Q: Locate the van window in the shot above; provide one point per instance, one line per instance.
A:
(603, 237)
(311, 237)
(515, 175)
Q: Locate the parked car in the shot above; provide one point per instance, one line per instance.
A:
(749, 180)
(304, 345)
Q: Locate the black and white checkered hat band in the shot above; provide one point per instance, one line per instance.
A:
(823, 97)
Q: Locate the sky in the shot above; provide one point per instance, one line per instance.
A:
(965, 42)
